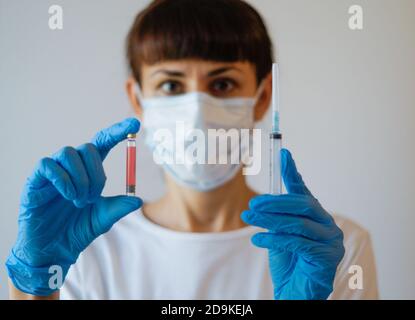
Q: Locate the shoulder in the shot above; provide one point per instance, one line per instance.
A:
(358, 252)
(105, 256)
(125, 232)
(125, 236)
(353, 232)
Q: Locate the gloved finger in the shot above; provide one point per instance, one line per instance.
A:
(292, 204)
(281, 223)
(111, 209)
(292, 179)
(34, 198)
(94, 168)
(308, 249)
(69, 159)
(108, 138)
(38, 192)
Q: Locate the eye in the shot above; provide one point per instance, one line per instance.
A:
(171, 87)
(222, 86)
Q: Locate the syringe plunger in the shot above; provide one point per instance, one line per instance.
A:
(275, 98)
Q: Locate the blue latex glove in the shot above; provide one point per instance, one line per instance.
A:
(62, 210)
(305, 245)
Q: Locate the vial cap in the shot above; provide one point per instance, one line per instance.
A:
(131, 136)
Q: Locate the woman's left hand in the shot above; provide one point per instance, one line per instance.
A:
(305, 245)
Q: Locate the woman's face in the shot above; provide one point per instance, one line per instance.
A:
(219, 79)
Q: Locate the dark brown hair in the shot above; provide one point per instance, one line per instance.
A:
(214, 30)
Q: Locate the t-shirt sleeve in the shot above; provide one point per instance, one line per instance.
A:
(356, 277)
(72, 287)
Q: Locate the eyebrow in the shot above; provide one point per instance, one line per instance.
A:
(212, 73)
(222, 70)
(168, 72)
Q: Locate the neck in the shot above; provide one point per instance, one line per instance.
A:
(187, 210)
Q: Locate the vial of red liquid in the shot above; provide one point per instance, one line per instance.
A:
(130, 172)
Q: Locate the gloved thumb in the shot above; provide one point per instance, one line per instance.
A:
(292, 178)
(111, 209)
(108, 138)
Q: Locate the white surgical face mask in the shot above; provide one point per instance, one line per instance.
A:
(196, 110)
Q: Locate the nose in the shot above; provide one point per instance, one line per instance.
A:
(196, 84)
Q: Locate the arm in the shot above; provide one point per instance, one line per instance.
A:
(16, 294)
(304, 243)
(62, 212)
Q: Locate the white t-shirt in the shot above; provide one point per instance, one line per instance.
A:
(138, 259)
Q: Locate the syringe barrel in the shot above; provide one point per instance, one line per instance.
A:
(275, 183)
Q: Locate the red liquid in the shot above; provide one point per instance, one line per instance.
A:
(131, 166)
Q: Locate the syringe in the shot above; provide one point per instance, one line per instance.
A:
(275, 136)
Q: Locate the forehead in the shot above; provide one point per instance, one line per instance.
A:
(199, 68)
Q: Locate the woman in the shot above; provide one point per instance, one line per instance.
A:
(206, 64)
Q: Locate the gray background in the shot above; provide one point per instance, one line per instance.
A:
(347, 108)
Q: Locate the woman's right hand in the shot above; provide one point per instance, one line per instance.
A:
(62, 211)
